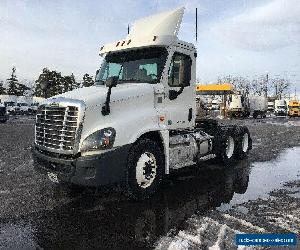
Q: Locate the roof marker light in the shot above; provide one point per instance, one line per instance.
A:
(154, 38)
(122, 43)
(117, 44)
(129, 41)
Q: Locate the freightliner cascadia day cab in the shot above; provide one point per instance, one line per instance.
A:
(138, 122)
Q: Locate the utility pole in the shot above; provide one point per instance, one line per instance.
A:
(266, 87)
(196, 24)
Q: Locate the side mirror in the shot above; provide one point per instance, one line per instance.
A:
(97, 72)
(111, 81)
(173, 94)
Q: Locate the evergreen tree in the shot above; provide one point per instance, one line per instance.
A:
(2, 89)
(75, 84)
(87, 80)
(22, 88)
(13, 83)
(49, 83)
(43, 77)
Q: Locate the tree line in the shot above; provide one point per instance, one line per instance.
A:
(261, 85)
(49, 83)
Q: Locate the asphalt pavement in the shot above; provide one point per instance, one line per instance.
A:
(200, 208)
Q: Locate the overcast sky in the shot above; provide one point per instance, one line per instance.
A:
(234, 37)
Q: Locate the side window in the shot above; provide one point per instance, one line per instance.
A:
(180, 71)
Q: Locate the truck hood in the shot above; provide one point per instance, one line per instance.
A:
(96, 95)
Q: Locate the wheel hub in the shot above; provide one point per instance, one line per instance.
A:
(245, 142)
(229, 147)
(146, 168)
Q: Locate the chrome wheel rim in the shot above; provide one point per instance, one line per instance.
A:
(245, 142)
(229, 147)
(146, 169)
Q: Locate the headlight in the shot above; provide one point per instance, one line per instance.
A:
(99, 140)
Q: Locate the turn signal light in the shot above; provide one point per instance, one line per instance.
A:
(161, 118)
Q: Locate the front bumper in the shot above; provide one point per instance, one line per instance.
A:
(96, 170)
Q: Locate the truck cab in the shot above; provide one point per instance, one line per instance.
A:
(138, 122)
(280, 108)
(294, 108)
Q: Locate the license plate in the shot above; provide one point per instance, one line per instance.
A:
(53, 177)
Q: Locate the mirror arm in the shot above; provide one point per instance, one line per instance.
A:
(106, 108)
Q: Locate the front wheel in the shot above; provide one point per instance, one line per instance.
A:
(145, 169)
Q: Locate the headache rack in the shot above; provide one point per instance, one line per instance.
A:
(57, 124)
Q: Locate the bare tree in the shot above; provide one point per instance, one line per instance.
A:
(241, 84)
(280, 86)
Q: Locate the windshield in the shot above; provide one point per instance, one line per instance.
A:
(141, 65)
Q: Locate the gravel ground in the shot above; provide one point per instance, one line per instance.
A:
(196, 209)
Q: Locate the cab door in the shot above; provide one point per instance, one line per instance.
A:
(180, 100)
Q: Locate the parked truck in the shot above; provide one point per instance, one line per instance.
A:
(258, 106)
(11, 107)
(238, 106)
(137, 123)
(280, 108)
(293, 108)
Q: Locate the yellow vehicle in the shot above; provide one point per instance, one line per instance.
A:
(294, 109)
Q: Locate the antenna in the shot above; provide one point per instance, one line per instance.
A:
(196, 24)
(128, 29)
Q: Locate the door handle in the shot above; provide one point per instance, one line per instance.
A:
(190, 116)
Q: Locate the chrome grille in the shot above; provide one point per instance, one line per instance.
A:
(56, 127)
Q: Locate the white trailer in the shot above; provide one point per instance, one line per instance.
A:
(137, 124)
(238, 106)
(258, 106)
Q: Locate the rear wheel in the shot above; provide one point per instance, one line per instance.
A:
(144, 169)
(225, 146)
(244, 143)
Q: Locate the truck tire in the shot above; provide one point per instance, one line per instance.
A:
(225, 145)
(244, 143)
(145, 169)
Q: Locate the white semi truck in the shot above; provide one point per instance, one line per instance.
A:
(280, 108)
(138, 122)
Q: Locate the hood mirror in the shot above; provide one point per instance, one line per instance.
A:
(110, 83)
